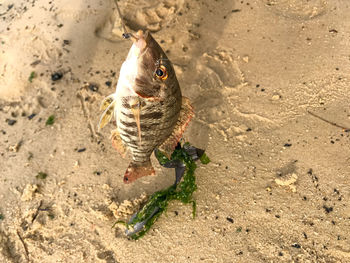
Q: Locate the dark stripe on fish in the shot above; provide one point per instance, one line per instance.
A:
(150, 115)
(134, 134)
(145, 127)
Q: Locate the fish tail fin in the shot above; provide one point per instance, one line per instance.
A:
(137, 170)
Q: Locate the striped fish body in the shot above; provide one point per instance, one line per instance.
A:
(148, 103)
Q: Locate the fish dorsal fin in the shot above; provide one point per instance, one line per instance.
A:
(117, 143)
(186, 114)
(107, 105)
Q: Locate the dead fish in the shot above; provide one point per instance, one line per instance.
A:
(148, 106)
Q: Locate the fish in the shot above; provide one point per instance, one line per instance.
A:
(148, 106)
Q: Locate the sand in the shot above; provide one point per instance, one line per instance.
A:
(269, 81)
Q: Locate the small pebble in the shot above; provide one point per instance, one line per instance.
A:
(276, 97)
(245, 59)
(56, 76)
(108, 83)
(328, 209)
(31, 116)
(10, 122)
(81, 150)
(93, 87)
(229, 219)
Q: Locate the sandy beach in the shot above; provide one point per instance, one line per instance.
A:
(269, 81)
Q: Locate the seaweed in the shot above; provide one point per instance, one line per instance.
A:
(31, 76)
(141, 222)
(41, 175)
(50, 120)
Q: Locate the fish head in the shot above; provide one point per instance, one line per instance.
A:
(147, 70)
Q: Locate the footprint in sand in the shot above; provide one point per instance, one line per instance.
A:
(297, 9)
(217, 78)
(149, 15)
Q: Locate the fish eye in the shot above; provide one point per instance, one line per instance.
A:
(161, 73)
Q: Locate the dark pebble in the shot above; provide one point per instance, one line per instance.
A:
(176, 213)
(81, 150)
(296, 245)
(248, 130)
(287, 145)
(108, 83)
(60, 25)
(66, 42)
(10, 122)
(280, 254)
(31, 116)
(93, 87)
(328, 209)
(229, 219)
(56, 76)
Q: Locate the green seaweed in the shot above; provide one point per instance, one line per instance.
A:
(204, 159)
(1, 217)
(50, 120)
(158, 202)
(31, 76)
(41, 175)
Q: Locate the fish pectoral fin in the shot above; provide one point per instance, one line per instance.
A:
(117, 143)
(107, 101)
(107, 105)
(186, 114)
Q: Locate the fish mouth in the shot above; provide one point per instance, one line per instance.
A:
(140, 42)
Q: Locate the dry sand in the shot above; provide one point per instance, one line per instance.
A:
(270, 83)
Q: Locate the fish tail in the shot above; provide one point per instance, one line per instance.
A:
(137, 170)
